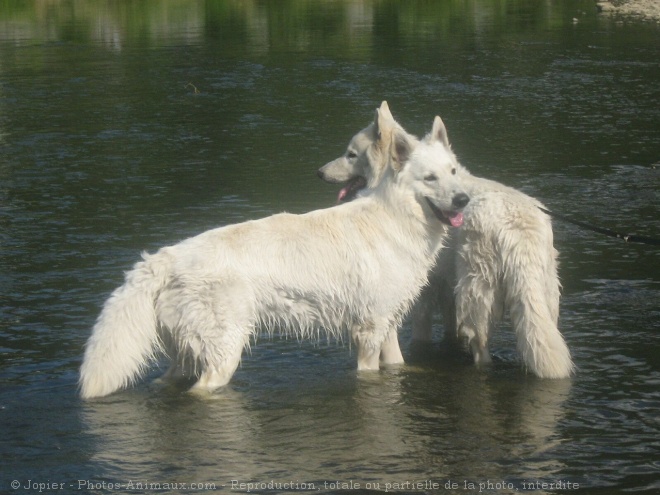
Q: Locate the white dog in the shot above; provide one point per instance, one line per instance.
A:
(502, 257)
(355, 267)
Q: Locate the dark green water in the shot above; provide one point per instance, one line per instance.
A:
(127, 126)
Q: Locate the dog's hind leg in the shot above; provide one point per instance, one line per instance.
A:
(177, 370)
(478, 344)
(474, 304)
(181, 366)
(174, 371)
(215, 377)
(215, 327)
(220, 358)
(477, 293)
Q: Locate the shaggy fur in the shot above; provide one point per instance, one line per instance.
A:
(501, 258)
(352, 268)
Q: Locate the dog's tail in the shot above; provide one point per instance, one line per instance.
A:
(125, 337)
(532, 296)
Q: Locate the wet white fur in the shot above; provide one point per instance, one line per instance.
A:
(501, 258)
(354, 268)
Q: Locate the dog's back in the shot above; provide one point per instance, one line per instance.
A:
(353, 267)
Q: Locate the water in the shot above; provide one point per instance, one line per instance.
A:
(129, 126)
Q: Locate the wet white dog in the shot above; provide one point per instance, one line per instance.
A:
(356, 267)
(501, 258)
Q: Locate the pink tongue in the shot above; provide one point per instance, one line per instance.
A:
(343, 192)
(456, 220)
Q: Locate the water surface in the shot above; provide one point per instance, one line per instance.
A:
(128, 126)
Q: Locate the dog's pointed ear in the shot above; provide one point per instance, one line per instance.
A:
(439, 131)
(384, 125)
(402, 147)
(385, 110)
(383, 120)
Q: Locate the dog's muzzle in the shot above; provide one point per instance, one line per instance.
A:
(452, 217)
(350, 190)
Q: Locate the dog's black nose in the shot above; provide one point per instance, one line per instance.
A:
(460, 200)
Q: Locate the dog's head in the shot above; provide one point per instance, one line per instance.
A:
(430, 169)
(385, 146)
(355, 167)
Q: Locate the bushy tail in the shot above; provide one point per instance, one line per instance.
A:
(125, 337)
(532, 296)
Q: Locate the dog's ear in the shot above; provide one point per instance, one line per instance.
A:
(385, 110)
(402, 147)
(439, 132)
(384, 123)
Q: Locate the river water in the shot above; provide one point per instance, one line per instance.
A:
(126, 126)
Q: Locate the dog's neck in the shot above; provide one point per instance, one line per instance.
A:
(414, 220)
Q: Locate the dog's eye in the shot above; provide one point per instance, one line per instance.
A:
(351, 154)
(453, 171)
(430, 178)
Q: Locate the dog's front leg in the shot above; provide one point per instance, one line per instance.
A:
(390, 352)
(369, 337)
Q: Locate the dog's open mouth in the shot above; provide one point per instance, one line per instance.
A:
(350, 190)
(453, 218)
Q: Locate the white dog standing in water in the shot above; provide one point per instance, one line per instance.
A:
(502, 257)
(356, 267)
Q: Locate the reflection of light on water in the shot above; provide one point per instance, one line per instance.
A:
(3, 132)
(110, 153)
(105, 23)
(334, 424)
(485, 419)
(172, 435)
